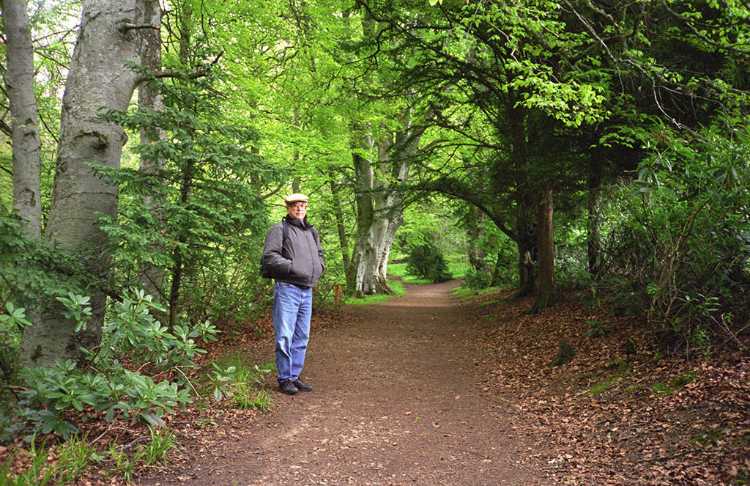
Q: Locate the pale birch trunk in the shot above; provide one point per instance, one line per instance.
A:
(99, 79)
(19, 82)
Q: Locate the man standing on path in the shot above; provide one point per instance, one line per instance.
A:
(294, 258)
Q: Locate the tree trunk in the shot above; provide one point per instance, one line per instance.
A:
(381, 203)
(527, 254)
(100, 77)
(19, 82)
(186, 186)
(525, 234)
(149, 98)
(188, 171)
(341, 227)
(370, 229)
(593, 223)
(497, 270)
(546, 246)
(474, 233)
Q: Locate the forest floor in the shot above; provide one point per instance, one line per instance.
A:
(425, 389)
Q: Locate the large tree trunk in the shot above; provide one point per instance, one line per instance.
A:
(100, 77)
(593, 223)
(149, 98)
(546, 245)
(525, 234)
(370, 228)
(380, 206)
(19, 82)
(526, 243)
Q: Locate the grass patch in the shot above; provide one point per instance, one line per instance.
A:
(258, 400)
(241, 383)
(467, 293)
(155, 451)
(457, 266)
(707, 437)
(661, 389)
(396, 286)
(675, 384)
(37, 474)
(599, 388)
(399, 270)
(73, 458)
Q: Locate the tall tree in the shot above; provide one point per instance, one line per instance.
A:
(19, 82)
(380, 201)
(150, 99)
(101, 77)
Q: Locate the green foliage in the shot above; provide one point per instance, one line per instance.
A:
(477, 279)
(682, 248)
(426, 261)
(37, 474)
(31, 271)
(130, 335)
(232, 378)
(200, 215)
(596, 328)
(565, 354)
(161, 441)
(132, 331)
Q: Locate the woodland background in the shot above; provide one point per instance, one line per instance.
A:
(549, 146)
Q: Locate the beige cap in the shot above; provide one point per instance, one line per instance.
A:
(292, 198)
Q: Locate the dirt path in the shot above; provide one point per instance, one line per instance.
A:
(397, 400)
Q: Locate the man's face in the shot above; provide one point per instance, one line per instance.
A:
(297, 209)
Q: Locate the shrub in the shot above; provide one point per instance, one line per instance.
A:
(477, 279)
(425, 260)
(130, 335)
(680, 251)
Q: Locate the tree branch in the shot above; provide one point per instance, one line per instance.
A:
(170, 73)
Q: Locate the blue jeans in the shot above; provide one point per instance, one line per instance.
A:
(292, 310)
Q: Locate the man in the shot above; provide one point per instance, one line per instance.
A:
(293, 257)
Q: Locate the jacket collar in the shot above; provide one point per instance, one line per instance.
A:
(299, 224)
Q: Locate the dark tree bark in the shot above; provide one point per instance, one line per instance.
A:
(149, 98)
(593, 238)
(186, 180)
(474, 234)
(525, 236)
(546, 246)
(341, 228)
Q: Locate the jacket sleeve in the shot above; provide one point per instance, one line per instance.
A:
(320, 251)
(273, 257)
